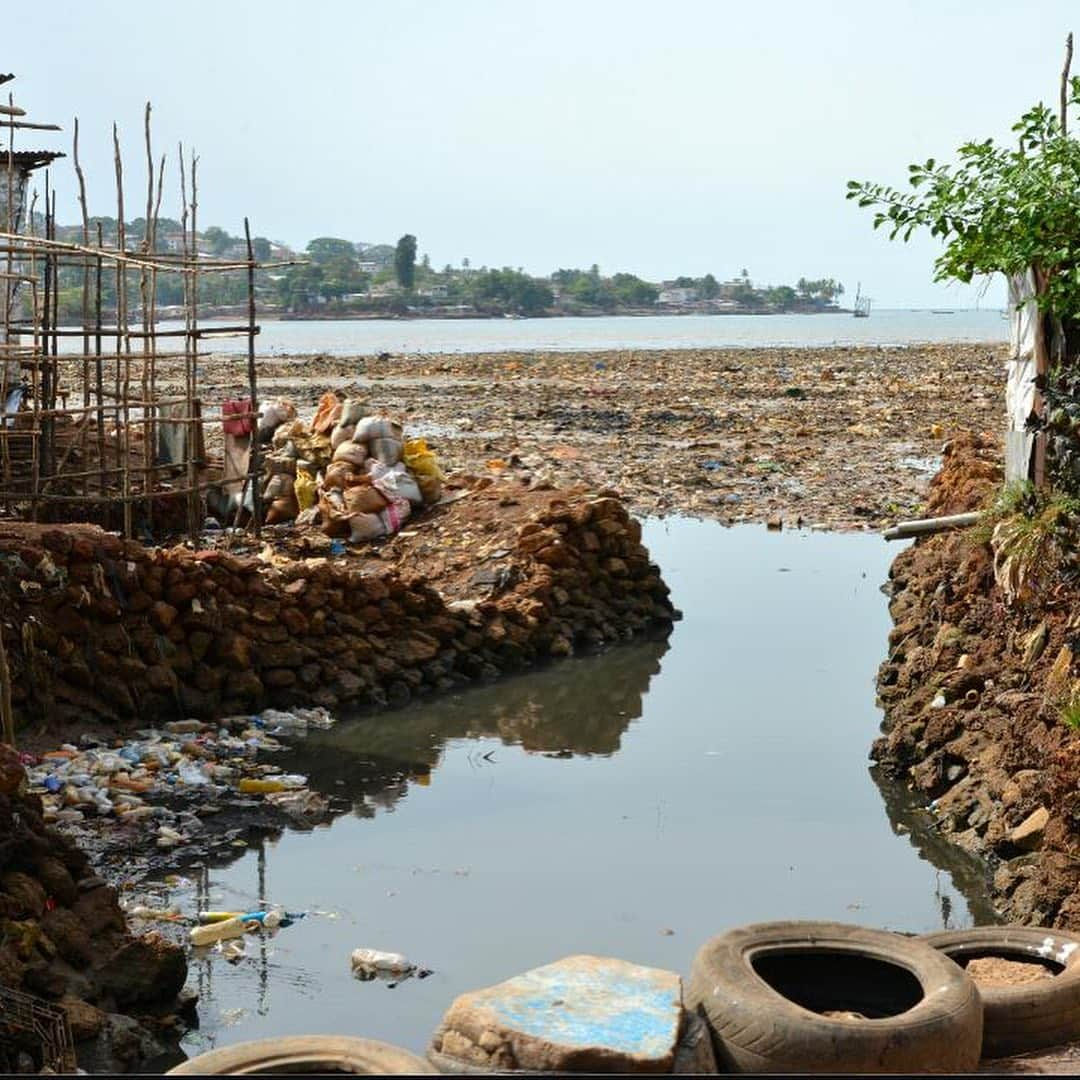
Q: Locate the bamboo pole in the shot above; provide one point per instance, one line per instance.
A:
(254, 462)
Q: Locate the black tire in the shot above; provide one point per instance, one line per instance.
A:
(922, 1013)
(307, 1054)
(1030, 1016)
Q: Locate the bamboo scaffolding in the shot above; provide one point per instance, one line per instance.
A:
(106, 447)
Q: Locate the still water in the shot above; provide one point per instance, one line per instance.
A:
(362, 337)
(630, 805)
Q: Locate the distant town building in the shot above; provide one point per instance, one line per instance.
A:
(676, 294)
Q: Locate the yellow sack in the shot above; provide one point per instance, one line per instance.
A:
(422, 463)
(306, 489)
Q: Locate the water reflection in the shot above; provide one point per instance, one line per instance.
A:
(968, 875)
(579, 707)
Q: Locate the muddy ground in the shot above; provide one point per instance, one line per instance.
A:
(972, 689)
(845, 438)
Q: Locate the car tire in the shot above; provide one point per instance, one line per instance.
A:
(764, 990)
(1029, 1016)
(306, 1054)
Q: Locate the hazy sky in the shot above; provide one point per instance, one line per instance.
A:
(661, 138)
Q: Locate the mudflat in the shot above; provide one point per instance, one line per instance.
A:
(842, 437)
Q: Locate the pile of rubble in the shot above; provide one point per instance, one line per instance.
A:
(63, 938)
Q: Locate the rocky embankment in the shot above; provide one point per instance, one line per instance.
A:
(102, 630)
(63, 939)
(972, 689)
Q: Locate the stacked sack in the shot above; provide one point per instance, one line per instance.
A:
(353, 470)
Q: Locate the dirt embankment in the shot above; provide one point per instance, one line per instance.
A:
(971, 690)
(843, 437)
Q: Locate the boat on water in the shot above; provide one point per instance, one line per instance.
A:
(941, 311)
(862, 304)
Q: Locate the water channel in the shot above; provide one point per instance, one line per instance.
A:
(630, 804)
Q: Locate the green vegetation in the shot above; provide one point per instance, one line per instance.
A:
(1070, 713)
(405, 261)
(1013, 210)
(1033, 534)
(334, 276)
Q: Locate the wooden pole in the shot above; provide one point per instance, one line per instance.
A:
(121, 324)
(254, 463)
(7, 714)
(1065, 84)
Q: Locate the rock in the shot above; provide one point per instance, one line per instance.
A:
(774, 521)
(70, 936)
(12, 774)
(27, 894)
(163, 615)
(86, 1020)
(581, 1014)
(1029, 833)
(1035, 643)
(144, 971)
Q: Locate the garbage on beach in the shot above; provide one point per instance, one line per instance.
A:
(346, 448)
(131, 781)
(208, 933)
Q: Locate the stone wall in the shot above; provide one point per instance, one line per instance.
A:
(102, 629)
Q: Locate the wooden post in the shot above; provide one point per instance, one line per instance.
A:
(7, 714)
(254, 462)
(1065, 84)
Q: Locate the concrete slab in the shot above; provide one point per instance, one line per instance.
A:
(581, 1014)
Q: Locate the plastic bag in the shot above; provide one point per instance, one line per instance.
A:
(351, 411)
(383, 438)
(365, 499)
(343, 474)
(420, 460)
(327, 413)
(237, 407)
(341, 434)
(396, 482)
(335, 522)
(395, 515)
(366, 527)
(306, 490)
(353, 452)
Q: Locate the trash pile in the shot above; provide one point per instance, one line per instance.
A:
(840, 436)
(170, 782)
(349, 471)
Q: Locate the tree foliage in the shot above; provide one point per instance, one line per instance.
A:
(405, 261)
(998, 209)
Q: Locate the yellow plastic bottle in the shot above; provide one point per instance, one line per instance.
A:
(251, 786)
(221, 931)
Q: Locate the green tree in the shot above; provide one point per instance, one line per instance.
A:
(632, 291)
(217, 240)
(1012, 210)
(325, 248)
(260, 247)
(782, 297)
(708, 287)
(405, 261)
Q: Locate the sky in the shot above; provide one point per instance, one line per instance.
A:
(684, 137)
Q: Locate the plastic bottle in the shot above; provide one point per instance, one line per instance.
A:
(250, 786)
(371, 960)
(221, 931)
(207, 917)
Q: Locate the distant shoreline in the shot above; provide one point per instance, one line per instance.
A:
(454, 316)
